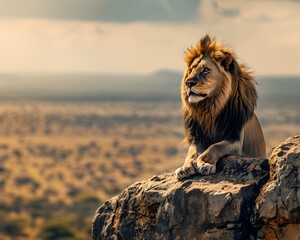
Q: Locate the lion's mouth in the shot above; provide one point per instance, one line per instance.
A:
(198, 95)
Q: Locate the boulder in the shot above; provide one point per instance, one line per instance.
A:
(243, 200)
(278, 204)
(219, 206)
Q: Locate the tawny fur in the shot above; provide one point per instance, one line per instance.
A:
(218, 113)
(242, 93)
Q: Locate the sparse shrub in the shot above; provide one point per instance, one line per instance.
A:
(21, 181)
(94, 149)
(60, 176)
(138, 164)
(2, 182)
(112, 190)
(39, 207)
(4, 146)
(171, 151)
(103, 168)
(89, 166)
(17, 153)
(73, 191)
(87, 228)
(50, 192)
(17, 204)
(87, 198)
(79, 175)
(135, 150)
(108, 155)
(116, 143)
(86, 203)
(13, 227)
(4, 158)
(56, 230)
(27, 181)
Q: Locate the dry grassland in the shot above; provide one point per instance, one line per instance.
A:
(60, 161)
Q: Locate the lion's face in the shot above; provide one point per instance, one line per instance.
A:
(218, 94)
(205, 78)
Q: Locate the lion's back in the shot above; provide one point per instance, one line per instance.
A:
(254, 142)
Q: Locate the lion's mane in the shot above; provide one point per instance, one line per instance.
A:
(223, 116)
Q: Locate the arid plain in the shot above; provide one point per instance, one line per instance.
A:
(60, 160)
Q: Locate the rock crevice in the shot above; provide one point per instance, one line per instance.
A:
(278, 205)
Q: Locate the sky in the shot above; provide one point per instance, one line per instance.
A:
(144, 36)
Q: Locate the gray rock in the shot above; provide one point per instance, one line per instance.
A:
(201, 207)
(278, 205)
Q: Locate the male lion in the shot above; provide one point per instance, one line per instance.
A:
(219, 97)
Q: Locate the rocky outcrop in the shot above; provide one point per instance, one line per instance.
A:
(278, 205)
(236, 203)
(202, 207)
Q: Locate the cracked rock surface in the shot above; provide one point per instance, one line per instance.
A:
(201, 207)
(278, 205)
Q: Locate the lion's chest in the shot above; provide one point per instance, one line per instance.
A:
(204, 137)
(206, 134)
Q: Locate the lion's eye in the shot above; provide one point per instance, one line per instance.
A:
(205, 70)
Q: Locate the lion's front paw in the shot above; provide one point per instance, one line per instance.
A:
(184, 172)
(204, 168)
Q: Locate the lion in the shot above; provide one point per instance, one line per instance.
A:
(218, 97)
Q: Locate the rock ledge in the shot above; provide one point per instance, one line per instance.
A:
(244, 200)
(202, 207)
(278, 205)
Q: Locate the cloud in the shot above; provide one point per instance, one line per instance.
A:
(226, 12)
(213, 11)
(72, 46)
(268, 40)
(101, 10)
(260, 11)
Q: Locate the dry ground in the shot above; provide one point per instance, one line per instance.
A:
(59, 161)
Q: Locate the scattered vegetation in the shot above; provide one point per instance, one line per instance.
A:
(60, 161)
(12, 226)
(56, 230)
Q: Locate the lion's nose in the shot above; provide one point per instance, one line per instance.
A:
(190, 82)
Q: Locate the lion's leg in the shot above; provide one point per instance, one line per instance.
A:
(207, 161)
(188, 168)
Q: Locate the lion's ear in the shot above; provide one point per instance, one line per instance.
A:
(227, 60)
(224, 57)
(205, 41)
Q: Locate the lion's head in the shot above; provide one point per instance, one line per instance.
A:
(213, 80)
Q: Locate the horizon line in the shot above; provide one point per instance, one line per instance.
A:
(160, 71)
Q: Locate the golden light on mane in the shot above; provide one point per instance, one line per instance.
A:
(236, 93)
(207, 46)
(219, 97)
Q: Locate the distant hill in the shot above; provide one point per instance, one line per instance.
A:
(162, 85)
(279, 91)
